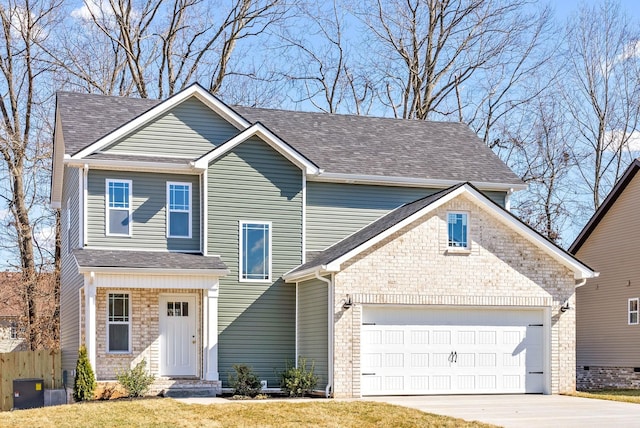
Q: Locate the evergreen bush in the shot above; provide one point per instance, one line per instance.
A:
(298, 381)
(84, 382)
(136, 380)
(245, 383)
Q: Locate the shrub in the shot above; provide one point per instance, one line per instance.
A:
(298, 381)
(136, 380)
(245, 382)
(84, 382)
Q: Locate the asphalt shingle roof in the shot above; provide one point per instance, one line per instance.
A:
(372, 230)
(145, 259)
(343, 144)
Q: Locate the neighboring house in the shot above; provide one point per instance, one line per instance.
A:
(608, 324)
(198, 236)
(11, 337)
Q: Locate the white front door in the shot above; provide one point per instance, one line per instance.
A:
(452, 351)
(178, 341)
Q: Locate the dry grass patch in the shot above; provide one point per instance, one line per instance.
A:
(170, 413)
(625, 395)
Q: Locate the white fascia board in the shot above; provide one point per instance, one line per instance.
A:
(206, 272)
(580, 271)
(57, 173)
(336, 264)
(193, 90)
(132, 165)
(331, 177)
(291, 276)
(268, 137)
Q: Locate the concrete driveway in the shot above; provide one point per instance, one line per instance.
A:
(525, 410)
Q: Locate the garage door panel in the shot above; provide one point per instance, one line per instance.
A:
(441, 337)
(393, 337)
(444, 358)
(419, 337)
(419, 360)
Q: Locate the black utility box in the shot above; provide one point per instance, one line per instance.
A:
(28, 393)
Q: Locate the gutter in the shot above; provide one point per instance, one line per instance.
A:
(330, 292)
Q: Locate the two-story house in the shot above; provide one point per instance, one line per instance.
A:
(198, 235)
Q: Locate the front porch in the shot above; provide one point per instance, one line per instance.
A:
(170, 321)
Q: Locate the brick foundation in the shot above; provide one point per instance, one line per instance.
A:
(599, 377)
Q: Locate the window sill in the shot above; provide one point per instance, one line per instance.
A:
(458, 251)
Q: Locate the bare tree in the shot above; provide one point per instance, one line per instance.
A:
(602, 94)
(426, 50)
(154, 48)
(25, 141)
(321, 67)
(538, 150)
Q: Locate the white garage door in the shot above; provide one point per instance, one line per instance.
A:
(451, 351)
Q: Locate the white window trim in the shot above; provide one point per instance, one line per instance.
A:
(466, 248)
(106, 207)
(68, 226)
(130, 350)
(241, 249)
(637, 311)
(168, 219)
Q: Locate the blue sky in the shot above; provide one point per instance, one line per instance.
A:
(564, 8)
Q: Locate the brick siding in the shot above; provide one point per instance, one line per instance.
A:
(412, 267)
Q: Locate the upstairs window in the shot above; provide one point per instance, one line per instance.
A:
(13, 331)
(633, 311)
(118, 323)
(179, 210)
(255, 251)
(118, 207)
(458, 230)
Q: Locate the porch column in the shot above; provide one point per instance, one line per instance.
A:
(210, 306)
(90, 320)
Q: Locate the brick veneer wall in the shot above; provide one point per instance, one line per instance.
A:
(144, 331)
(412, 267)
(599, 377)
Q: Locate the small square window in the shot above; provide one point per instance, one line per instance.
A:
(457, 230)
(633, 311)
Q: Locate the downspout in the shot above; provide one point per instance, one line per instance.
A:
(582, 282)
(330, 293)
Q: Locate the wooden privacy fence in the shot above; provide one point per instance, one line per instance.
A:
(45, 365)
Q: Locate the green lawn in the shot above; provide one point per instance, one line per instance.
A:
(626, 395)
(170, 413)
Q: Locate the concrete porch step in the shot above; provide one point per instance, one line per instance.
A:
(183, 392)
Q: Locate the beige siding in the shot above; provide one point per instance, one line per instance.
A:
(412, 267)
(603, 334)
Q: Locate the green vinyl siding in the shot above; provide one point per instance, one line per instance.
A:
(313, 335)
(336, 210)
(189, 130)
(70, 280)
(149, 228)
(256, 320)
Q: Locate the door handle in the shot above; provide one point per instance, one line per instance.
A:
(455, 356)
